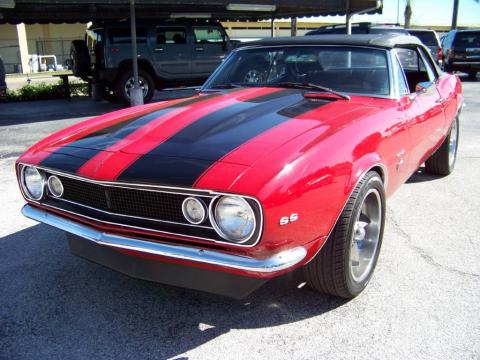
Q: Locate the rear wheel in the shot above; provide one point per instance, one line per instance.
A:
(472, 75)
(125, 82)
(347, 261)
(442, 162)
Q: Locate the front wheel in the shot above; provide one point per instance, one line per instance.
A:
(347, 261)
(125, 82)
(442, 162)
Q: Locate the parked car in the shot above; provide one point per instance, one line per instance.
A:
(359, 28)
(429, 38)
(461, 49)
(3, 84)
(284, 159)
(169, 54)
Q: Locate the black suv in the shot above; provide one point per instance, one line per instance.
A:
(170, 53)
(429, 38)
(3, 84)
(461, 50)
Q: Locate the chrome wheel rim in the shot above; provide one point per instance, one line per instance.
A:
(365, 236)
(252, 77)
(452, 145)
(142, 83)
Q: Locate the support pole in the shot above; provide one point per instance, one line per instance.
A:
(348, 19)
(136, 94)
(455, 14)
(272, 30)
(293, 28)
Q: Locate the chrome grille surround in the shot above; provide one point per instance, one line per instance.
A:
(103, 204)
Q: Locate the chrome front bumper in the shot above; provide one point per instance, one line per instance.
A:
(277, 262)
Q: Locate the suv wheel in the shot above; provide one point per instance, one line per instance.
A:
(125, 82)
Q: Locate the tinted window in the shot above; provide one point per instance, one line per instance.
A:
(171, 36)
(351, 70)
(468, 39)
(410, 60)
(208, 35)
(387, 31)
(123, 36)
(426, 37)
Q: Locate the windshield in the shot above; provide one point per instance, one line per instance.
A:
(344, 69)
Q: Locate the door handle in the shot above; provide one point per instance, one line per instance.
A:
(440, 101)
(159, 49)
(199, 48)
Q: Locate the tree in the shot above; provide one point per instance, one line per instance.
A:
(408, 13)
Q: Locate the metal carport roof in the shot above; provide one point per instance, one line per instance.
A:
(70, 11)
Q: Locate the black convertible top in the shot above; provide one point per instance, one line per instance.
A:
(386, 41)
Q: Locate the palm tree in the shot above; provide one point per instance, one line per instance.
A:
(408, 13)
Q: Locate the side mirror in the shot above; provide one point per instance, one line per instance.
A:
(423, 86)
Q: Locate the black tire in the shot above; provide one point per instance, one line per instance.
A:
(80, 55)
(442, 162)
(125, 76)
(472, 75)
(330, 271)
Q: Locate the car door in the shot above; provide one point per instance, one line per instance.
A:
(426, 117)
(210, 47)
(171, 52)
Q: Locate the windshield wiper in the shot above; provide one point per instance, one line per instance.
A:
(310, 86)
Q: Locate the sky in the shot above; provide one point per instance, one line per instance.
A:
(425, 12)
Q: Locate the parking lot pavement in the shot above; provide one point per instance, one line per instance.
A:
(423, 301)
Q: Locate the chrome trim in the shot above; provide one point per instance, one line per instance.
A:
(50, 188)
(155, 188)
(219, 231)
(277, 262)
(202, 204)
(130, 216)
(134, 186)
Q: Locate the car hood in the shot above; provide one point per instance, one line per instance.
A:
(175, 142)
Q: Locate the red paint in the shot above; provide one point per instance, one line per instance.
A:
(308, 165)
(109, 164)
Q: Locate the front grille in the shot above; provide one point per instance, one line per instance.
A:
(125, 201)
(139, 208)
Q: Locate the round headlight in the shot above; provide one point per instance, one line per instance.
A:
(33, 183)
(55, 186)
(193, 210)
(234, 219)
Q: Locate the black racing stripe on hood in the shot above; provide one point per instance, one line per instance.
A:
(182, 159)
(72, 156)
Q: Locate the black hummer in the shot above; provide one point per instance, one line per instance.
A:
(170, 53)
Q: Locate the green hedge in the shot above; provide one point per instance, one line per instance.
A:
(43, 91)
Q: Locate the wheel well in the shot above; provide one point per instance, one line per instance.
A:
(142, 65)
(380, 171)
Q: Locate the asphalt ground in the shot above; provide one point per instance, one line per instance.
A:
(422, 303)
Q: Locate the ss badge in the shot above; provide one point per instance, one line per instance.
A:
(288, 219)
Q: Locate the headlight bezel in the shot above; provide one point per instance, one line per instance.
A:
(202, 204)
(49, 186)
(257, 218)
(24, 186)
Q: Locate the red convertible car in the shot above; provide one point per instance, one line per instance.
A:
(284, 159)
